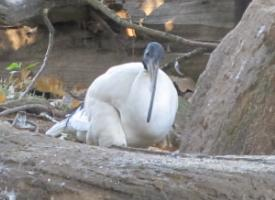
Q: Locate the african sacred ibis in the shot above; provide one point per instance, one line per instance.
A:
(132, 104)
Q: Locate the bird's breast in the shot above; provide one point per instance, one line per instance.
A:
(136, 108)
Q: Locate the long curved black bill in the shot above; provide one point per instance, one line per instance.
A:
(153, 76)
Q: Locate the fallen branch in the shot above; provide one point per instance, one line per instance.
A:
(33, 100)
(50, 45)
(75, 171)
(24, 101)
(37, 107)
(154, 33)
(23, 108)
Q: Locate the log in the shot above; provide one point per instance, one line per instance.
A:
(38, 167)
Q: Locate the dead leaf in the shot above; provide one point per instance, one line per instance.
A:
(50, 84)
(3, 96)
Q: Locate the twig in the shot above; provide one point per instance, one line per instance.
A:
(184, 56)
(155, 33)
(191, 54)
(48, 117)
(24, 107)
(50, 45)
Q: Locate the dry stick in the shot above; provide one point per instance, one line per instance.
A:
(50, 45)
(191, 54)
(155, 33)
(185, 56)
(48, 117)
(24, 107)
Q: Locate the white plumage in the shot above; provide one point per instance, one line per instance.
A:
(118, 101)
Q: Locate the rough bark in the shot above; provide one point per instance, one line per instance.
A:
(38, 167)
(232, 109)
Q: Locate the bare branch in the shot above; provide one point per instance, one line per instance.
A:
(154, 33)
(50, 45)
(184, 57)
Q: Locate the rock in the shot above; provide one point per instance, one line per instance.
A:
(233, 107)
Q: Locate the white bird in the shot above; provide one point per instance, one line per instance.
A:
(132, 104)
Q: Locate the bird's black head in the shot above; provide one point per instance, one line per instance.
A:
(153, 54)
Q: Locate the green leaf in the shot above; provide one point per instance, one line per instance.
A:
(15, 66)
(32, 66)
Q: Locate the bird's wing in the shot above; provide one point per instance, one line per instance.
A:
(79, 120)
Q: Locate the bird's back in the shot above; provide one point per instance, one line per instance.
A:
(112, 87)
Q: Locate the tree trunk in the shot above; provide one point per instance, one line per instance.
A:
(233, 104)
(37, 167)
